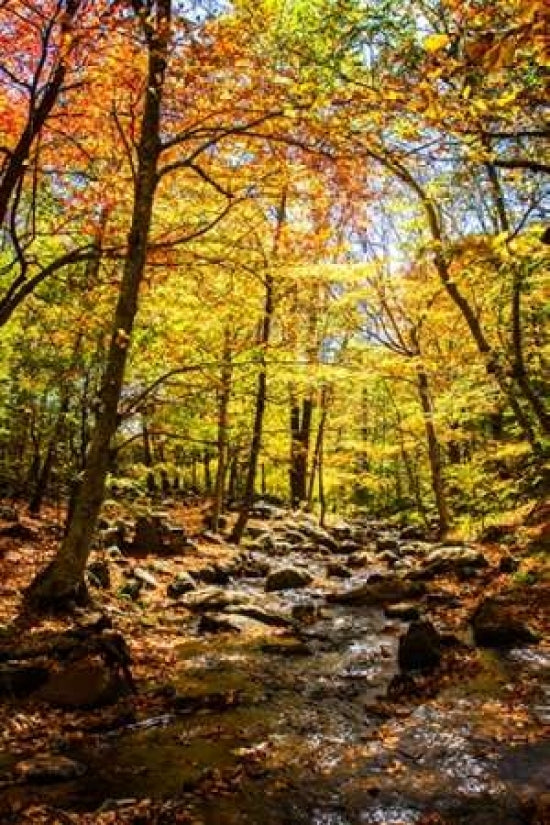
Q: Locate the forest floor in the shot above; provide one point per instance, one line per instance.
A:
(295, 711)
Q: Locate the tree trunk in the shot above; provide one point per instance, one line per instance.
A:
(63, 580)
(318, 446)
(434, 450)
(224, 395)
(300, 433)
(148, 457)
(261, 397)
(43, 479)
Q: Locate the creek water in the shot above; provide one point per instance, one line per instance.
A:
(300, 738)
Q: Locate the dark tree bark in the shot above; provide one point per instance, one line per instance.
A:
(434, 451)
(318, 446)
(257, 427)
(148, 457)
(224, 395)
(300, 434)
(63, 580)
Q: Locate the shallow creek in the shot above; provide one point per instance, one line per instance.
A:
(300, 739)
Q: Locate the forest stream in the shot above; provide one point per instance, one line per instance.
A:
(277, 726)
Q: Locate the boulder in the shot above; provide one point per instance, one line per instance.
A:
(86, 683)
(144, 576)
(347, 546)
(413, 532)
(360, 560)
(229, 623)
(263, 509)
(286, 646)
(508, 564)
(305, 612)
(253, 568)
(148, 537)
(48, 768)
(183, 583)
(384, 543)
(342, 531)
(213, 538)
(449, 560)
(111, 536)
(267, 616)
(20, 679)
(8, 513)
(419, 647)
(213, 599)
(338, 571)
(293, 536)
(402, 610)
(131, 589)
(99, 573)
(213, 574)
(495, 624)
(20, 531)
(318, 535)
(287, 578)
(390, 589)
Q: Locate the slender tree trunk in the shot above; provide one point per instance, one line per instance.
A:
(257, 427)
(318, 446)
(224, 395)
(35, 504)
(261, 392)
(63, 580)
(321, 470)
(207, 472)
(300, 434)
(148, 457)
(434, 451)
(412, 475)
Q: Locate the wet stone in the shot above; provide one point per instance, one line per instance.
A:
(145, 577)
(99, 574)
(495, 625)
(402, 610)
(20, 680)
(87, 683)
(419, 647)
(183, 583)
(132, 589)
(385, 590)
(48, 768)
(338, 571)
(287, 578)
(228, 623)
(213, 574)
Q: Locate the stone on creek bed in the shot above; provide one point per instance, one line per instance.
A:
(406, 611)
(215, 599)
(20, 680)
(87, 683)
(287, 578)
(388, 590)
(495, 624)
(183, 583)
(450, 560)
(229, 623)
(419, 647)
(48, 768)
